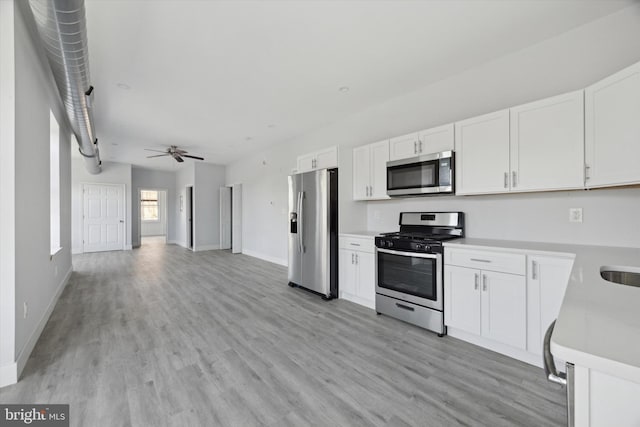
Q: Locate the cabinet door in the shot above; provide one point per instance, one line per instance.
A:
(402, 147)
(361, 172)
(327, 158)
(305, 162)
(436, 140)
(612, 129)
(482, 154)
(379, 159)
(348, 272)
(547, 144)
(462, 298)
(504, 308)
(547, 280)
(366, 278)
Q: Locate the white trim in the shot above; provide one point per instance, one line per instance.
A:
(507, 350)
(201, 248)
(35, 335)
(176, 242)
(269, 258)
(8, 374)
(358, 300)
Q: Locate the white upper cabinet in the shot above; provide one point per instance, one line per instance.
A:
(547, 144)
(370, 171)
(482, 154)
(612, 129)
(436, 140)
(402, 147)
(321, 159)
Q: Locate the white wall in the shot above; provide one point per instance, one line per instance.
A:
(35, 277)
(185, 176)
(208, 179)
(570, 61)
(112, 173)
(142, 178)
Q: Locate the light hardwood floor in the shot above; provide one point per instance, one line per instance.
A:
(163, 336)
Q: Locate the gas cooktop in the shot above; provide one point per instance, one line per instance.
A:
(423, 231)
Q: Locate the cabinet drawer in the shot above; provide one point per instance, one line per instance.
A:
(361, 244)
(493, 261)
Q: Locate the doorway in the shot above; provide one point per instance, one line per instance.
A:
(189, 203)
(153, 219)
(231, 218)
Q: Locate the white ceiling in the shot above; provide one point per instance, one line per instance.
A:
(224, 78)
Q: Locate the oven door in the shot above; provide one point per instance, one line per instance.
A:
(409, 276)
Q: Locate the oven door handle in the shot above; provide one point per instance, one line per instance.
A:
(408, 254)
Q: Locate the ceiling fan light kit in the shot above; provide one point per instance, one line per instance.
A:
(174, 152)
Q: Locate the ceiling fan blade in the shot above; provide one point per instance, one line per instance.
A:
(193, 157)
(177, 157)
(159, 151)
(158, 155)
(179, 151)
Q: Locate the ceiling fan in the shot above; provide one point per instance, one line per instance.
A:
(174, 152)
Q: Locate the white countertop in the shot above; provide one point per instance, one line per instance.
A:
(599, 322)
(368, 234)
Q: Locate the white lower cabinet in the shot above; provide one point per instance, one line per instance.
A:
(504, 301)
(357, 270)
(487, 303)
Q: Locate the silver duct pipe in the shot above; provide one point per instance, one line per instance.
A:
(63, 30)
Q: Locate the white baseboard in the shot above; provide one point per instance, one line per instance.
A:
(264, 257)
(200, 248)
(176, 242)
(8, 374)
(76, 251)
(356, 299)
(33, 339)
(507, 350)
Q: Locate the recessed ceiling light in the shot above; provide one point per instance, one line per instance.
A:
(344, 89)
(271, 126)
(248, 138)
(114, 143)
(123, 86)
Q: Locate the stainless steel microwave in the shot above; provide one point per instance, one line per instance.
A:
(422, 175)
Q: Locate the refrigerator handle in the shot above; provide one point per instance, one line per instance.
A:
(300, 221)
(549, 365)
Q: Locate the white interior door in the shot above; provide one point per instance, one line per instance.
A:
(236, 222)
(225, 217)
(103, 218)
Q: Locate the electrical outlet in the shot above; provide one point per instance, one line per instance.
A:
(575, 214)
(25, 310)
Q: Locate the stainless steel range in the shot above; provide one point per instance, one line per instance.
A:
(409, 278)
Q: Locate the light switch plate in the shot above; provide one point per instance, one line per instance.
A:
(575, 214)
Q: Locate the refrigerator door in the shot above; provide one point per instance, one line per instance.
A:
(295, 252)
(315, 232)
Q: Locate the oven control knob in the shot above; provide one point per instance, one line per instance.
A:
(427, 248)
(418, 246)
(389, 244)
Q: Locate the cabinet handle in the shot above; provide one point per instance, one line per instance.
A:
(353, 258)
(369, 190)
(484, 282)
(586, 172)
(477, 279)
(354, 244)
(420, 146)
(514, 181)
(357, 259)
(506, 180)
(415, 147)
(534, 267)
(480, 260)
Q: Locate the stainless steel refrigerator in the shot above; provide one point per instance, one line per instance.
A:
(313, 231)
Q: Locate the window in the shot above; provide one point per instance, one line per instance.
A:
(54, 182)
(149, 205)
